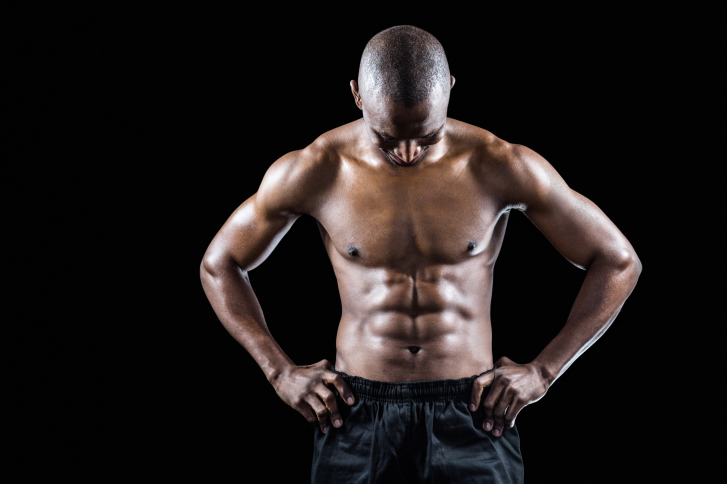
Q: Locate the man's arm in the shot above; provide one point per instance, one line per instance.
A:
(243, 243)
(583, 234)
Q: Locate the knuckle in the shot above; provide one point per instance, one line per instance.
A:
(330, 399)
(322, 414)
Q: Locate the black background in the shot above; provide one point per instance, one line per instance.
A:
(173, 117)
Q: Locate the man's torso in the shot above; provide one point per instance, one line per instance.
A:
(413, 250)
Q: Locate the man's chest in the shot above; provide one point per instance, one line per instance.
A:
(444, 216)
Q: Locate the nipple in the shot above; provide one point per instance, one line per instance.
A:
(471, 246)
(353, 251)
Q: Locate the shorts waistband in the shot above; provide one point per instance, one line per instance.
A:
(414, 391)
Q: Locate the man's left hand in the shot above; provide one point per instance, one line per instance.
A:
(513, 387)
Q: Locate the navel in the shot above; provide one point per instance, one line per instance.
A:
(413, 349)
(353, 251)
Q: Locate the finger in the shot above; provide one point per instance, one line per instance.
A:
(321, 412)
(512, 412)
(337, 381)
(477, 387)
(505, 361)
(499, 413)
(496, 388)
(493, 396)
(307, 412)
(329, 399)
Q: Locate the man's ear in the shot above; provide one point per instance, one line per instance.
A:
(452, 80)
(356, 94)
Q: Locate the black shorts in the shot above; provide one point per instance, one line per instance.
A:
(413, 432)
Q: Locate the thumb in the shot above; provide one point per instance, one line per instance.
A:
(478, 386)
(505, 361)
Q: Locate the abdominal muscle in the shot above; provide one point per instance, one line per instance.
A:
(403, 329)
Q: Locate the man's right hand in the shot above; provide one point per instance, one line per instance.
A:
(305, 389)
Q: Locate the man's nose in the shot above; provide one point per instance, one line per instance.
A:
(407, 150)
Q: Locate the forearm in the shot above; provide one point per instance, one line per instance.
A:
(607, 285)
(229, 291)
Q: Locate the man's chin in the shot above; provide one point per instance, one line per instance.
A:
(395, 160)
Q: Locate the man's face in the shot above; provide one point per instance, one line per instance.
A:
(404, 135)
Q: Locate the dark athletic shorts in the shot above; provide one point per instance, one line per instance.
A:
(413, 432)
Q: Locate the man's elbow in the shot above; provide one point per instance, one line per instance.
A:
(216, 264)
(637, 264)
(627, 262)
(210, 266)
(203, 270)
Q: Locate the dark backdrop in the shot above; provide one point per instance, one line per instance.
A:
(184, 111)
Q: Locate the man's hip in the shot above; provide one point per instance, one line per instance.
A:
(413, 432)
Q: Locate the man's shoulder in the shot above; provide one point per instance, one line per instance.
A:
(296, 181)
(505, 167)
(321, 154)
(330, 146)
(486, 149)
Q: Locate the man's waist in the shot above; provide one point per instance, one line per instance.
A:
(410, 391)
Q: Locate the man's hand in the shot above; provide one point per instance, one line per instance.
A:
(513, 387)
(304, 388)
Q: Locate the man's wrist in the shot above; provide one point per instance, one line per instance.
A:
(274, 372)
(547, 374)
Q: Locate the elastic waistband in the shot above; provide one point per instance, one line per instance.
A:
(415, 391)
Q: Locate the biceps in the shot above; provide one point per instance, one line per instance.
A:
(576, 227)
(249, 236)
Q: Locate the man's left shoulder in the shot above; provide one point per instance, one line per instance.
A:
(486, 151)
(508, 169)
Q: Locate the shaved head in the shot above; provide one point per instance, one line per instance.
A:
(405, 64)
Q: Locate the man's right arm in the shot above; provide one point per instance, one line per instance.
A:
(243, 243)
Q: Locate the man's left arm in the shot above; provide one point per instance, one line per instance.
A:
(586, 237)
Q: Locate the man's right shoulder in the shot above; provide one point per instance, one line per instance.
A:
(297, 182)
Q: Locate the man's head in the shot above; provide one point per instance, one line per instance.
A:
(403, 90)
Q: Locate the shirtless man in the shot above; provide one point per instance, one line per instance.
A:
(412, 208)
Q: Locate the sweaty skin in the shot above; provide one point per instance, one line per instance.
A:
(412, 208)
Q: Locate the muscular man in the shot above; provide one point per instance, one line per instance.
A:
(412, 208)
